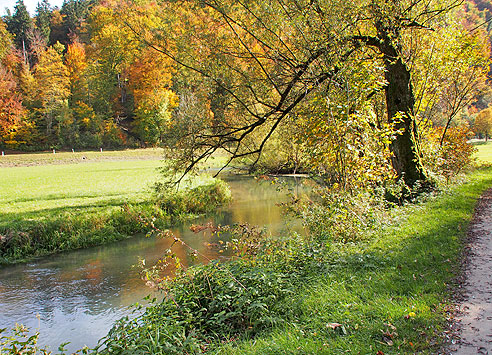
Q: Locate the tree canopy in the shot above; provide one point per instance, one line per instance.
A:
(267, 60)
(349, 90)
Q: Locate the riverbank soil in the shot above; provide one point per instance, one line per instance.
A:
(474, 318)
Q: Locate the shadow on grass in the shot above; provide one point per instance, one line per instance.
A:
(11, 219)
(54, 197)
(481, 142)
(389, 295)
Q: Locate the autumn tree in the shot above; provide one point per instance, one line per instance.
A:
(11, 109)
(451, 66)
(128, 81)
(483, 123)
(88, 125)
(5, 40)
(76, 62)
(111, 52)
(53, 84)
(150, 82)
(269, 58)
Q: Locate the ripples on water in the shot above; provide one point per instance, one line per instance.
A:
(77, 296)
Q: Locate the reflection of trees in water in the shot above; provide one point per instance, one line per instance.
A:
(85, 286)
(257, 204)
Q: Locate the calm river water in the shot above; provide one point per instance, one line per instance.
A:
(76, 296)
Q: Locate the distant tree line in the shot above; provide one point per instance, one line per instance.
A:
(333, 86)
(75, 78)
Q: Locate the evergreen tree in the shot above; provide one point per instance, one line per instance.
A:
(20, 24)
(43, 19)
(74, 13)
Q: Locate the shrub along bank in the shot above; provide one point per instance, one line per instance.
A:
(25, 239)
(384, 293)
(381, 285)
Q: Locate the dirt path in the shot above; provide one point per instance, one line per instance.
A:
(474, 321)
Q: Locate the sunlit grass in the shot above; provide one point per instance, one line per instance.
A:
(484, 151)
(44, 158)
(38, 186)
(386, 296)
(389, 294)
(36, 192)
(45, 185)
(49, 203)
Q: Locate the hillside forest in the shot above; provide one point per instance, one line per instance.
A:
(334, 87)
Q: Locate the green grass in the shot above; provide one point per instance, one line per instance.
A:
(398, 284)
(47, 205)
(45, 191)
(389, 293)
(44, 158)
(42, 185)
(484, 152)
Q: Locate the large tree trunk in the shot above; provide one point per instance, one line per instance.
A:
(400, 101)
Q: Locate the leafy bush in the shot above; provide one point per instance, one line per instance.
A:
(285, 152)
(338, 216)
(20, 342)
(197, 200)
(450, 156)
(215, 303)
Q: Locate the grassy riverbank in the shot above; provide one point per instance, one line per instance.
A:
(47, 205)
(388, 293)
(484, 151)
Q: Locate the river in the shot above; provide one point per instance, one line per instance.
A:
(76, 296)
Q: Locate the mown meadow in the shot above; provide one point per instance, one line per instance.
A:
(484, 152)
(53, 202)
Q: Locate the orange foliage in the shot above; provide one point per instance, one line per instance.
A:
(11, 110)
(149, 75)
(76, 61)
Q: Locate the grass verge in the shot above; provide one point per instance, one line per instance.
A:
(386, 295)
(389, 295)
(484, 151)
(49, 158)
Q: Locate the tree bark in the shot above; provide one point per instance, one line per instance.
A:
(400, 102)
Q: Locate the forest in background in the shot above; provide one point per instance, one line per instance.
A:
(73, 78)
(282, 87)
(81, 77)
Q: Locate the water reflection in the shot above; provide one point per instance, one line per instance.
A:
(77, 296)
